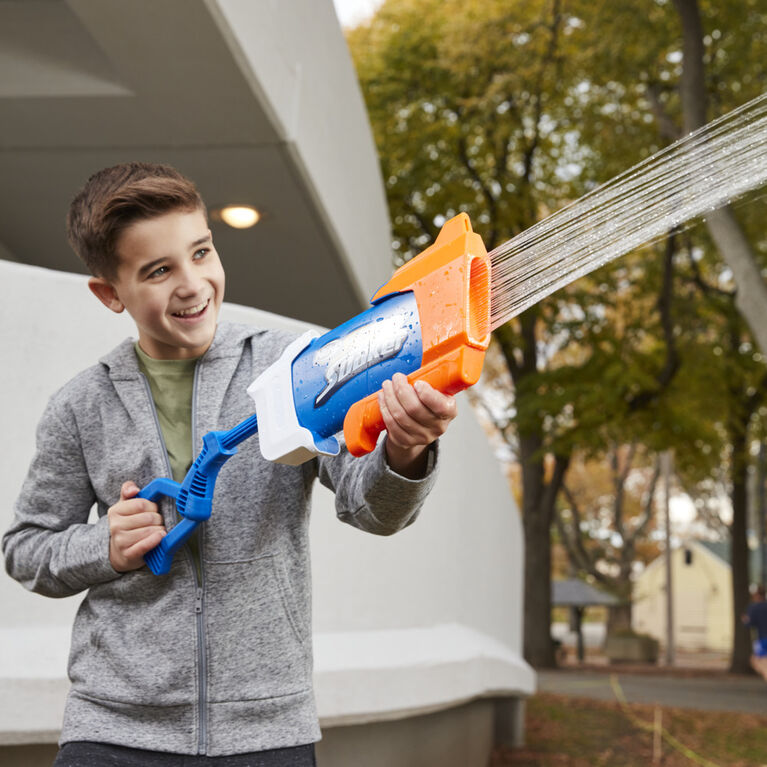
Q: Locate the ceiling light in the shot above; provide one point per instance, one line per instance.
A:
(239, 216)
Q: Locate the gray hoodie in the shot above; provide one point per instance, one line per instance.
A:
(217, 665)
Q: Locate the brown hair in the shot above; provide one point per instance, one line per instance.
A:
(116, 197)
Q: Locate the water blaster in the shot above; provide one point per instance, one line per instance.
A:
(430, 321)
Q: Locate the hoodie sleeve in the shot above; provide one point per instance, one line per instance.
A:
(51, 548)
(373, 497)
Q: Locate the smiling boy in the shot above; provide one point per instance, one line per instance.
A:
(171, 281)
(210, 664)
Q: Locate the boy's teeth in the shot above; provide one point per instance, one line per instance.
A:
(194, 310)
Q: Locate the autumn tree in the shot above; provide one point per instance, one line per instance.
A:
(480, 110)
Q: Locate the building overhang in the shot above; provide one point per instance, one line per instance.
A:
(255, 101)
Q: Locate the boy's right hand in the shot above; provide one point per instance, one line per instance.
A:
(135, 527)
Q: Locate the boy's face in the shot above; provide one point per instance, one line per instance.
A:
(171, 282)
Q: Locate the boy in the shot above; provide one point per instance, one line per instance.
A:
(213, 660)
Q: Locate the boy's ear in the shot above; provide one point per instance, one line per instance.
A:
(106, 293)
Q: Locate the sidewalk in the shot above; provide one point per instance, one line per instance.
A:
(697, 681)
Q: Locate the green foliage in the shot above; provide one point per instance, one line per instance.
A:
(465, 103)
(509, 110)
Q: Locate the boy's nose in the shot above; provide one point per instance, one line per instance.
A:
(190, 281)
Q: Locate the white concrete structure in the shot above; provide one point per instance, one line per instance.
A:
(257, 101)
(443, 631)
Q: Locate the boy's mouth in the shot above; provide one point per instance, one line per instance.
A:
(192, 311)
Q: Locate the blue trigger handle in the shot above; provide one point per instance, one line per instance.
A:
(194, 496)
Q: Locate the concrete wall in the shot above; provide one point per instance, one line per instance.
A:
(407, 626)
(302, 74)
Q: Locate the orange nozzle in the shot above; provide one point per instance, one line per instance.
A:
(451, 284)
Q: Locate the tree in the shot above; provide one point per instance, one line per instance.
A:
(743, 376)
(751, 303)
(468, 114)
(605, 521)
(686, 77)
(507, 111)
(732, 243)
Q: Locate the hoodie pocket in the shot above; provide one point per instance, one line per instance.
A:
(256, 646)
(134, 642)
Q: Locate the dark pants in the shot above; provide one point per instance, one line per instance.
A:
(86, 754)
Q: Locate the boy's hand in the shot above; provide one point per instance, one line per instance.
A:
(415, 416)
(135, 527)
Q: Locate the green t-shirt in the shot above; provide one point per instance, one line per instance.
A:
(172, 386)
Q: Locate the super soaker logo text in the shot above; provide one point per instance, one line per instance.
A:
(359, 350)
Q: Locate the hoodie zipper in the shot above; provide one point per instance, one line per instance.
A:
(202, 655)
(199, 583)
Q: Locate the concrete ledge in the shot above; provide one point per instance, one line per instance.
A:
(374, 676)
(31, 710)
(33, 684)
(361, 677)
(455, 737)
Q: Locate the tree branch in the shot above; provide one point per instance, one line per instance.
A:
(647, 511)
(666, 126)
(582, 556)
(665, 300)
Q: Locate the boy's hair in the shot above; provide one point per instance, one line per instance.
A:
(116, 197)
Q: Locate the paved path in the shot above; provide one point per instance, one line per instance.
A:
(712, 692)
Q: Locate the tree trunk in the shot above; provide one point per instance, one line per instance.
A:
(619, 618)
(751, 296)
(538, 497)
(751, 303)
(538, 647)
(733, 246)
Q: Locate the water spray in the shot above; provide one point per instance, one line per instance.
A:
(693, 176)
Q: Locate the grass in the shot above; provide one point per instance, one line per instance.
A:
(576, 732)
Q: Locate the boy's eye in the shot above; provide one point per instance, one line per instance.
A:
(201, 253)
(158, 272)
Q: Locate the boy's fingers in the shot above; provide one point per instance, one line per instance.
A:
(128, 490)
(131, 541)
(403, 404)
(405, 428)
(128, 545)
(140, 519)
(408, 398)
(423, 403)
(414, 415)
(396, 433)
(131, 557)
(442, 405)
(131, 505)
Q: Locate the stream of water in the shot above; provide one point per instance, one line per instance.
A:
(697, 174)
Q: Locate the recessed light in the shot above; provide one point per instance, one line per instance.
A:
(239, 216)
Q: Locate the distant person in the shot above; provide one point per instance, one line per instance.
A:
(756, 618)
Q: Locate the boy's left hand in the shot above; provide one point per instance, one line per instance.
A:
(415, 416)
